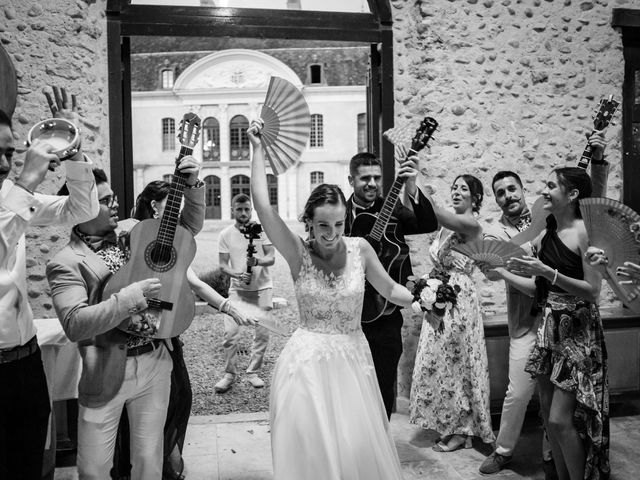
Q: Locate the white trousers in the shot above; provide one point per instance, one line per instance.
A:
(145, 392)
(519, 392)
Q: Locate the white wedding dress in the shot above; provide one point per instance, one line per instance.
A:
(328, 421)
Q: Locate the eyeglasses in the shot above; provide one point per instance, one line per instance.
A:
(109, 201)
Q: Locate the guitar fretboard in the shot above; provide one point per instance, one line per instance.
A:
(171, 214)
(387, 208)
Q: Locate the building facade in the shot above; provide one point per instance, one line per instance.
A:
(226, 90)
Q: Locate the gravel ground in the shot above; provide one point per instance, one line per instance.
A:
(204, 354)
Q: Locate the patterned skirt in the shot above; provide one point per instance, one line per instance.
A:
(570, 349)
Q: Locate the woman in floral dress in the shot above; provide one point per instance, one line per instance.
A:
(450, 386)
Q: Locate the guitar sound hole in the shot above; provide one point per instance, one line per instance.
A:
(160, 258)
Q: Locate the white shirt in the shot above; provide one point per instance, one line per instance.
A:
(234, 243)
(19, 210)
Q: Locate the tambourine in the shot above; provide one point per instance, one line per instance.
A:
(61, 134)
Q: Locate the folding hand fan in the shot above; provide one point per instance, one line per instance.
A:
(612, 227)
(287, 122)
(494, 253)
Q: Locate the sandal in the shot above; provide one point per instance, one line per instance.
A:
(464, 442)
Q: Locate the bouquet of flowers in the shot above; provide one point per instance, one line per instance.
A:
(433, 296)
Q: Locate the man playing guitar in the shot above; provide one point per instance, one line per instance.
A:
(384, 333)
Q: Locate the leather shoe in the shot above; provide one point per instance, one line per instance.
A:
(494, 463)
(225, 383)
(255, 380)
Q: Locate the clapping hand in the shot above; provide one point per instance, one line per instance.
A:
(527, 266)
(597, 259)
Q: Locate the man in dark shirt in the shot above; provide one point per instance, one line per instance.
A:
(383, 332)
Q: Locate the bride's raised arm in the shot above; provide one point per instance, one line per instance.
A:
(287, 243)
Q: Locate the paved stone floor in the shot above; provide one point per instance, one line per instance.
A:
(236, 447)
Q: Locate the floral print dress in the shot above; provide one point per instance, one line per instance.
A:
(450, 386)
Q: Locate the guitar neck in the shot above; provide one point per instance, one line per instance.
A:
(585, 158)
(171, 214)
(384, 215)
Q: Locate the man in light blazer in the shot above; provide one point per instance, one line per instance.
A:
(117, 368)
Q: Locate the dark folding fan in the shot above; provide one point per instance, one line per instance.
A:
(287, 122)
(613, 227)
(494, 253)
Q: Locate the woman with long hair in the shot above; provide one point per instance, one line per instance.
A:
(450, 384)
(150, 204)
(569, 360)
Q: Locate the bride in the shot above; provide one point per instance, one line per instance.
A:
(328, 421)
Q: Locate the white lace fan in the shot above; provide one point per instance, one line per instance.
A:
(614, 227)
(287, 122)
(494, 253)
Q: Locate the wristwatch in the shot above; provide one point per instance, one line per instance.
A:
(198, 184)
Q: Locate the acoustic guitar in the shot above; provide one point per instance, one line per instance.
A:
(602, 119)
(381, 234)
(163, 249)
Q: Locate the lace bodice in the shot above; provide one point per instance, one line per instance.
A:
(328, 303)
(445, 259)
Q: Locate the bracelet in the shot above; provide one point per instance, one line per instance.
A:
(555, 276)
(225, 303)
(602, 161)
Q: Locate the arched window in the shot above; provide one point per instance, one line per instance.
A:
(316, 179)
(238, 140)
(166, 76)
(212, 197)
(272, 184)
(211, 140)
(316, 139)
(315, 75)
(240, 184)
(168, 134)
(363, 144)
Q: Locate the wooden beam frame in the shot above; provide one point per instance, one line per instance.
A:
(125, 20)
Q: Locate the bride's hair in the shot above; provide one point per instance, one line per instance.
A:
(475, 187)
(323, 194)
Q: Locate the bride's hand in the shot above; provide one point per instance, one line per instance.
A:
(254, 132)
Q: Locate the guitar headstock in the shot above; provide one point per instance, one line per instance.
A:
(189, 130)
(605, 112)
(423, 134)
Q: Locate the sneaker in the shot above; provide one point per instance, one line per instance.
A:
(494, 463)
(225, 383)
(255, 380)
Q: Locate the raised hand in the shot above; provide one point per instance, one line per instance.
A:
(61, 106)
(598, 144)
(191, 167)
(38, 161)
(254, 131)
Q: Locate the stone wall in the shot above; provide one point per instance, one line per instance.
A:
(513, 85)
(63, 43)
